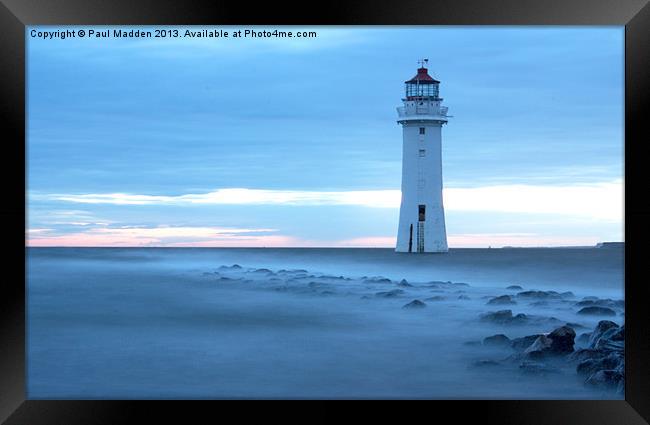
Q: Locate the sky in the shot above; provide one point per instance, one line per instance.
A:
(278, 142)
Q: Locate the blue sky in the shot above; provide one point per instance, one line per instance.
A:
(293, 142)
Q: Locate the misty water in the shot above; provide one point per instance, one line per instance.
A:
(300, 323)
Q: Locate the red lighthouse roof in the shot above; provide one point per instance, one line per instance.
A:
(422, 77)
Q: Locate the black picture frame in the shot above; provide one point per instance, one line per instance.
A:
(15, 15)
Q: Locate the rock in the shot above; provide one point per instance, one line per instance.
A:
(435, 298)
(503, 299)
(464, 297)
(556, 343)
(583, 339)
(498, 340)
(390, 294)
(459, 284)
(563, 340)
(539, 348)
(597, 311)
(377, 279)
(262, 271)
(501, 316)
(602, 327)
(590, 366)
(414, 304)
(515, 287)
(485, 363)
(540, 295)
(521, 344)
(585, 354)
(575, 325)
(567, 294)
(404, 283)
(605, 379)
(535, 368)
(590, 298)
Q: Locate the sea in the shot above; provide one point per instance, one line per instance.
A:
(214, 323)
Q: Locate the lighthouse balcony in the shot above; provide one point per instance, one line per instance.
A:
(426, 111)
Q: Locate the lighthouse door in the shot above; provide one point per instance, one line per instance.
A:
(421, 217)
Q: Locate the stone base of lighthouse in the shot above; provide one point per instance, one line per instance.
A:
(421, 228)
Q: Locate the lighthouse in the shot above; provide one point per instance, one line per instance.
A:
(421, 215)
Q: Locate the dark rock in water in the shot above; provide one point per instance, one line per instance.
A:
(539, 348)
(262, 271)
(540, 295)
(575, 325)
(464, 297)
(327, 292)
(558, 342)
(485, 363)
(590, 366)
(567, 294)
(609, 379)
(414, 304)
(583, 339)
(585, 354)
(521, 344)
(233, 267)
(459, 284)
(501, 316)
(499, 340)
(563, 340)
(404, 283)
(435, 298)
(590, 298)
(503, 299)
(390, 294)
(504, 317)
(535, 368)
(597, 311)
(602, 327)
(515, 287)
(377, 279)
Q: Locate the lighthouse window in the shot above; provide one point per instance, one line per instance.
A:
(421, 130)
(421, 212)
(422, 153)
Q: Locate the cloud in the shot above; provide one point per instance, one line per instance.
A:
(159, 236)
(596, 201)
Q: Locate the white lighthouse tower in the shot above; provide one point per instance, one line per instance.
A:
(421, 215)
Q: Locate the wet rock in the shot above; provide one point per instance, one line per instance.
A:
(597, 311)
(590, 366)
(404, 283)
(377, 279)
(515, 287)
(501, 300)
(499, 340)
(585, 354)
(262, 271)
(558, 342)
(530, 367)
(575, 325)
(233, 267)
(521, 344)
(504, 317)
(415, 304)
(583, 339)
(602, 327)
(567, 294)
(609, 379)
(435, 298)
(485, 363)
(459, 284)
(538, 295)
(590, 298)
(390, 294)
(563, 340)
